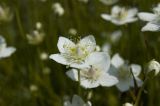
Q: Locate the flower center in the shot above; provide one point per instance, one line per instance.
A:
(121, 14)
(124, 73)
(91, 74)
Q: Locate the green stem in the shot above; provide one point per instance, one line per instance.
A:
(19, 23)
(79, 83)
(140, 93)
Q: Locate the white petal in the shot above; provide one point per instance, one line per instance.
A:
(64, 44)
(106, 47)
(73, 74)
(127, 104)
(117, 61)
(118, 22)
(116, 36)
(138, 81)
(6, 52)
(77, 101)
(115, 10)
(113, 71)
(151, 27)
(106, 17)
(108, 2)
(130, 20)
(88, 103)
(123, 85)
(67, 103)
(136, 69)
(132, 12)
(59, 58)
(79, 66)
(89, 84)
(88, 43)
(108, 80)
(146, 16)
(100, 60)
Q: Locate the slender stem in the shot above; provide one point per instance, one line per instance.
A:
(79, 83)
(140, 93)
(19, 23)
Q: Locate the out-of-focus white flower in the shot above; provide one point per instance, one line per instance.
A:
(98, 48)
(154, 66)
(44, 56)
(127, 104)
(153, 19)
(84, 1)
(76, 101)
(5, 14)
(96, 74)
(4, 50)
(46, 70)
(123, 73)
(115, 36)
(33, 88)
(108, 2)
(58, 9)
(37, 35)
(72, 31)
(106, 48)
(74, 54)
(121, 15)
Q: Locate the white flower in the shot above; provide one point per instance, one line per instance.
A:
(127, 104)
(153, 19)
(74, 54)
(5, 13)
(96, 74)
(37, 35)
(72, 31)
(4, 50)
(46, 70)
(58, 9)
(121, 15)
(106, 47)
(154, 66)
(108, 2)
(33, 88)
(76, 101)
(115, 36)
(43, 56)
(123, 73)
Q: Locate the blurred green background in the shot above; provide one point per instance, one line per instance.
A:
(27, 80)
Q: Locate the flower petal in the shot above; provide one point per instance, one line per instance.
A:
(106, 17)
(73, 74)
(151, 27)
(138, 81)
(123, 85)
(99, 59)
(108, 80)
(136, 69)
(108, 2)
(6, 52)
(89, 43)
(77, 101)
(117, 61)
(89, 84)
(64, 44)
(147, 16)
(132, 12)
(59, 58)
